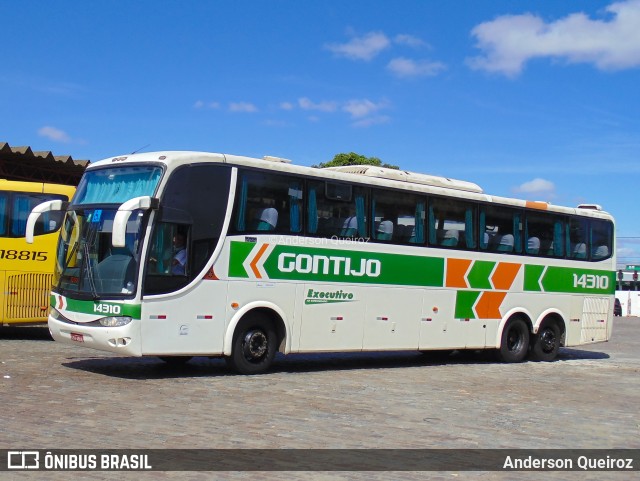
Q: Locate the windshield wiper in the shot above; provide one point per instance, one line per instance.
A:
(86, 267)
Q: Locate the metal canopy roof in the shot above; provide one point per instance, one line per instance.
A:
(22, 163)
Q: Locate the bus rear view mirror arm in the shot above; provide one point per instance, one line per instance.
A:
(51, 205)
(118, 236)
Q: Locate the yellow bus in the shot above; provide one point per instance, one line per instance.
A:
(26, 269)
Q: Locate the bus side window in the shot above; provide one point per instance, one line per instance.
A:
(601, 239)
(397, 217)
(4, 202)
(577, 238)
(543, 234)
(22, 204)
(268, 203)
(333, 211)
(452, 223)
(501, 229)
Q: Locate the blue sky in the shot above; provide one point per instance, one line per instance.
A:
(537, 100)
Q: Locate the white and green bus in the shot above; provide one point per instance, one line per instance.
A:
(181, 254)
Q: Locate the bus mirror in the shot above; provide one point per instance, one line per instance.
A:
(118, 236)
(39, 209)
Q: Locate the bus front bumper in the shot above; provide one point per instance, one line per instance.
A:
(124, 340)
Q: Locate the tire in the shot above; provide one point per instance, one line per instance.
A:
(546, 344)
(514, 344)
(254, 345)
(175, 361)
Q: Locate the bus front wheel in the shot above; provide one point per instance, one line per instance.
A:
(254, 345)
(546, 344)
(514, 344)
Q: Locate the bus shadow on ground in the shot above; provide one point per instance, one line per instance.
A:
(154, 368)
(25, 333)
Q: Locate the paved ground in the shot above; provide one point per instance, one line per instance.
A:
(54, 396)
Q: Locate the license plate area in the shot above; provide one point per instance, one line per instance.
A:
(77, 337)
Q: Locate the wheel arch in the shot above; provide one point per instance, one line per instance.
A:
(508, 317)
(277, 316)
(552, 315)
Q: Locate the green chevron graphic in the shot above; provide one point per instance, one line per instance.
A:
(479, 274)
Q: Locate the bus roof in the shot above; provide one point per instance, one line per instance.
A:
(368, 175)
(39, 187)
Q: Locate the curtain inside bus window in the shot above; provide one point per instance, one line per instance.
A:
(432, 225)
(558, 239)
(360, 216)
(484, 236)
(3, 213)
(21, 210)
(242, 205)
(117, 185)
(418, 232)
(312, 211)
(517, 232)
(295, 198)
(468, 229)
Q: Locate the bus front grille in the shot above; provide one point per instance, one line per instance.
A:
(27, 297)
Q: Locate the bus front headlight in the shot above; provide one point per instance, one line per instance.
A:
(114, 321)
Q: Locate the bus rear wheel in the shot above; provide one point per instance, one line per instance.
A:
(254, 345)
(514, 344)
(546, 344)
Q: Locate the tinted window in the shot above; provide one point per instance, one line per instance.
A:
(15, 208)
(452, 223)
(334, 217)
(500, 229)
(398, 217)
(188, 226)
(601, 239)
(544, 235)
(268, 203)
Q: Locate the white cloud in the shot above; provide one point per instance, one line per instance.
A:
(542, 188)
(365, 47)
(200, 104)
(404, 67)
(369, 121)
(359, 108)
(246, 107)
(54, 134)
(410, 40)
(286, 106)
(508, 42)
(325, 106)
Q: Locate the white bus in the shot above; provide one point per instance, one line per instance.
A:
(181, 254)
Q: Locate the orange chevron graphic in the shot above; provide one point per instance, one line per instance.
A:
(488, 306)
(254, 262)
(504, 275)
(456, 270)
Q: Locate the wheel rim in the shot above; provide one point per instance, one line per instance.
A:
(255, 345)
(547, 340)
(514, 340)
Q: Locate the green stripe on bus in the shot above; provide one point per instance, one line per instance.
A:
(334, 265)
(571, 280)
(103, 309)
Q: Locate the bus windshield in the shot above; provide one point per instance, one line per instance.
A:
(115, 185)
(87, 265)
